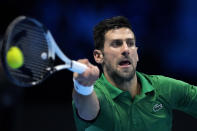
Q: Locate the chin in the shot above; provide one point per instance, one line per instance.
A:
(126, 75)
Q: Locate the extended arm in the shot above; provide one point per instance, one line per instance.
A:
(87, 105)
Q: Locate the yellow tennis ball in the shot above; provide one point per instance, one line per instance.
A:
(15, 58)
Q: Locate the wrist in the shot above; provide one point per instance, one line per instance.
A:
(83, 90)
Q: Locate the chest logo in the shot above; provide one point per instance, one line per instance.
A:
(157, 107)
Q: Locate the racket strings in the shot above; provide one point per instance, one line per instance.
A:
(35, 50)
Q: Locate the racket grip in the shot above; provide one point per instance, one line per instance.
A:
(78, 67)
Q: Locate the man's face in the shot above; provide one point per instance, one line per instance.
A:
(120, 54)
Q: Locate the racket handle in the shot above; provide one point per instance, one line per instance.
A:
(78, 67)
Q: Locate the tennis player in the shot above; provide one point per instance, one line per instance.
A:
(123, 99)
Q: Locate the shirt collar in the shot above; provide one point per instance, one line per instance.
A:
(146, 85)
(114, 91)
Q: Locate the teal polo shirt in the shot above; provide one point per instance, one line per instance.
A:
(151, 110)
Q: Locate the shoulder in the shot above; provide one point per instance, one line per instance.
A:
(168, 90)
(160, 81)
(167, 87)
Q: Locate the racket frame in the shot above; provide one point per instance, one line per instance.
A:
(53, 50)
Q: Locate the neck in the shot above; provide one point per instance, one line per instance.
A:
(132, 85)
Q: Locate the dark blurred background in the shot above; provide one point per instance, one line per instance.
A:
(166, 36)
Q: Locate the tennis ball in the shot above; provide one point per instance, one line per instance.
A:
(15, 58)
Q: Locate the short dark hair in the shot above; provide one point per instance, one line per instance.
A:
(102, 27)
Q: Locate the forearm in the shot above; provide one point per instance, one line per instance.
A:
(87, 106)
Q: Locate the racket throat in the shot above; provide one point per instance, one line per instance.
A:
(73, 66)
(62, 67)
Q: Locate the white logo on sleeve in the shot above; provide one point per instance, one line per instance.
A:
(157, 107)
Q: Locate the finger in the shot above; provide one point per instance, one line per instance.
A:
(84, 61)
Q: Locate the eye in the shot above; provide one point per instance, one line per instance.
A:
(130, 42)
(116, 43)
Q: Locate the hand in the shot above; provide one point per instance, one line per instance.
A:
(89, 76)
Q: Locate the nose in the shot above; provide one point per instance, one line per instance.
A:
(125, 49)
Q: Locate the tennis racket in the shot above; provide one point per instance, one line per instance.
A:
(39, 50)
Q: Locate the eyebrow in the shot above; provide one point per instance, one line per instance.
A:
(133, 39)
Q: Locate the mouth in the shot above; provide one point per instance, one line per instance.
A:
(124, 63)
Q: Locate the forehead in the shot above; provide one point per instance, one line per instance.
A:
(120, 33)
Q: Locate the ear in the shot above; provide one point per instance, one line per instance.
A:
(98, 56)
